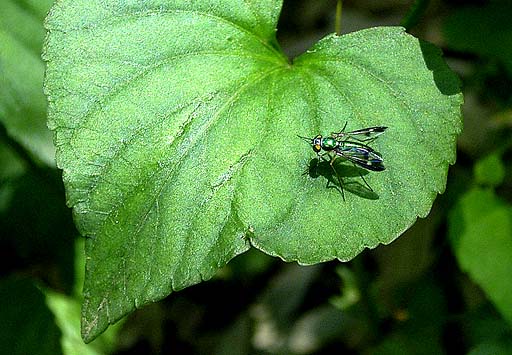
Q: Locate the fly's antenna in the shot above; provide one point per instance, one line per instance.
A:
(306, 139)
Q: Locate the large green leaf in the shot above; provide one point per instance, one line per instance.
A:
(66, 311)
(22, 103)
(176, 124)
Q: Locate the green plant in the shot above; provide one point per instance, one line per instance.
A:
(175, 124)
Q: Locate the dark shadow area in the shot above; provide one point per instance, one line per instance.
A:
(351, 177)
(38, 234)
(446, 81)
(27, 321)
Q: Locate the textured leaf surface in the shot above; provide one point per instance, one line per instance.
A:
(176, 124)
(22, 103)
(481, 233)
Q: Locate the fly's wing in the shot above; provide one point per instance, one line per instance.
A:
(361, 135)
(361, 155)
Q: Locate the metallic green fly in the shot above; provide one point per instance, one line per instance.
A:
(352, 146)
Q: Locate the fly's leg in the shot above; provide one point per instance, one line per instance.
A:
(340, 181)
(337, 134)
(362, 177)
(339, 178)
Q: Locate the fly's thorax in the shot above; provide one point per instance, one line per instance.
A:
(329, 143)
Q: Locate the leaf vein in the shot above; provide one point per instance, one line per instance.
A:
(158, 193)
(98, 104)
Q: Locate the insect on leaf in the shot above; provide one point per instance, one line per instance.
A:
(176, 125)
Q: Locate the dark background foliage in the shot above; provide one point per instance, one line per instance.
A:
(428, 292)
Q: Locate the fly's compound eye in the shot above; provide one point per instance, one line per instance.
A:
(317, 144)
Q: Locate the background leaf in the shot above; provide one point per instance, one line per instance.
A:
(490, 170)
(176, 128)
(481, 230)
(22, 103)
(28, 326)
(67, 316)
(485, 30)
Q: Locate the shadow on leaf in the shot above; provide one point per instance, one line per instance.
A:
(351, 177)
(447, 83)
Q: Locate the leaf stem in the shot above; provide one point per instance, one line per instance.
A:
(414, 14)
(337, 25)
